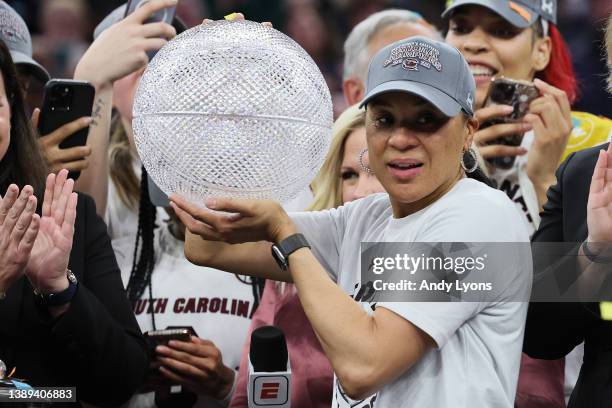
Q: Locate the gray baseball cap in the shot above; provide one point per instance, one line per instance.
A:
(520, 13)
(15, 34)
(433, 70)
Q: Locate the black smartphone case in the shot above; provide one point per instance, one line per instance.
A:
(79, 104)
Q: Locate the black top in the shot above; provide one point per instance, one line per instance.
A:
(96, 345)
(554, 329)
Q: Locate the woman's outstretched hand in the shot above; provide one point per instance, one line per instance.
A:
(18, 229)
(249, 221)
(48, 262)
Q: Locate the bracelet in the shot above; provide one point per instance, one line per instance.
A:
(595, 258)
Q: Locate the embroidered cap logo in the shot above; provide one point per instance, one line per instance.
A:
(412, 55)
(548, 6)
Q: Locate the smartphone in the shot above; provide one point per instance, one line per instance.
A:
(165, 15)
(519, 95)
(182, 333)
(64, 101)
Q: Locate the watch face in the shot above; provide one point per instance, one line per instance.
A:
(71, 277)
(279, 257)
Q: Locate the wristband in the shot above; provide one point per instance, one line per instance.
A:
(59, 298)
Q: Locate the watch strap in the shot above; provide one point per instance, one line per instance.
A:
(292, 244)
(60, 298)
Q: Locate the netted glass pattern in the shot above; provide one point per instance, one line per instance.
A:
(232, 109)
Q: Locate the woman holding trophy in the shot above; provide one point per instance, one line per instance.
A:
(419, 127)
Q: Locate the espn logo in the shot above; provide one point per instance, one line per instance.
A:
(272, 390)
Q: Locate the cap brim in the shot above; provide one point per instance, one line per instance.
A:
(34, 67)
(437, 98)
(501, 7)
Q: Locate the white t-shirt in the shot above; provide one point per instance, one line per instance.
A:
(476, 363)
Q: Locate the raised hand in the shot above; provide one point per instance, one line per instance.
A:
(599, 205)
(197, 365)
(71, 159)
(18, 229)
(550, 117)
(122, 48)
(48, 262)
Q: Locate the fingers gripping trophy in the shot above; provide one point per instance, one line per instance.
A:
(232, 109)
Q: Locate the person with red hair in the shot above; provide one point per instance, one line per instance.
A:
(519, 40)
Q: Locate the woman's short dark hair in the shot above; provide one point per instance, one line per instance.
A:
(23, 162)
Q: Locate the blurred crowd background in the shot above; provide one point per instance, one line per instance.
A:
(62, 30)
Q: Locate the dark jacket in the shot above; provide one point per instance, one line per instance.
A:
(554, 329)
(96, 345)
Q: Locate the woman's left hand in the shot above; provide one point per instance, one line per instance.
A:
(550, 118)
(198, 365)
(249, 221)
(48, 262)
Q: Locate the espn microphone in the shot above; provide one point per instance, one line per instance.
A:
(269, 369)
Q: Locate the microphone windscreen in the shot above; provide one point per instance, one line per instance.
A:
(268, 351)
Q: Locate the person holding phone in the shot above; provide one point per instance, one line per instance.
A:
(419, 127)
(519, 40)
(66, 321)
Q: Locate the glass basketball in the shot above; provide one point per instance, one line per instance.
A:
(233, 109)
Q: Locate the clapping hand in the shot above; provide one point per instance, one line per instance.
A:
(19, 226)
(48, 261)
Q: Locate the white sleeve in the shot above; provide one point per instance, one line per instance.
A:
(324, 231)
(441, 320)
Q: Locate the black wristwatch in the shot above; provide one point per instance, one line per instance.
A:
(282, 250)
(59, 298)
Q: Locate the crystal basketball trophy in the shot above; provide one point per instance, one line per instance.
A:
(232, 109)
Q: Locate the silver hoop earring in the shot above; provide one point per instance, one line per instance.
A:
(362, 164)
(472, 153)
